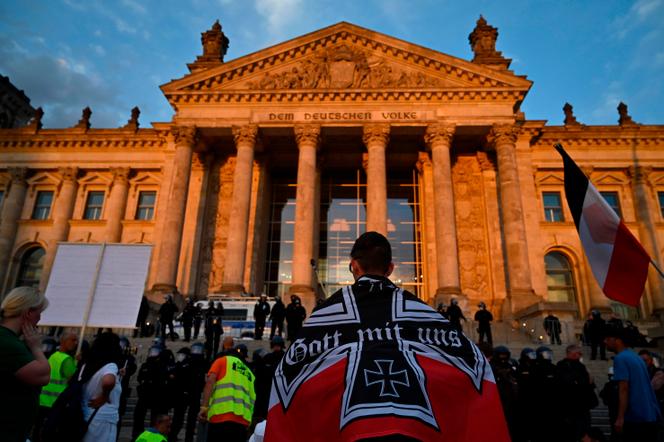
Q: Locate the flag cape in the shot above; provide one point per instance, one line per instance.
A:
(372, 361)
(617, 259)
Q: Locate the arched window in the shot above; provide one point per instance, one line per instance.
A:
(559, 278)
(32, 262)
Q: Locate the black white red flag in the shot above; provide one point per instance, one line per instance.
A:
(374, 360)
(617, 259)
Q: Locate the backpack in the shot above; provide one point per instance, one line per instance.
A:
(65, 421)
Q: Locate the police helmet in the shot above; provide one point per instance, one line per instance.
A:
(182, 354)
(154, 351)
(241, 350)
(501, 350)
(48, 345)
(528, 353)
(544, 352)
(481, 305)
(454, 302)
(277, 340)
(197, 348)
(159, 341)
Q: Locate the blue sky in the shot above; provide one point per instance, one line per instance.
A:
(112, 55)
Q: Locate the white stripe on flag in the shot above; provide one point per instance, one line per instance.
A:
(597, 229)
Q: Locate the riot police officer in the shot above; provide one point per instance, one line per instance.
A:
(261, 310)
(506, 381)
(546, 399)
(213, 328)
(186, 402)
(152, 388)
(187, 319)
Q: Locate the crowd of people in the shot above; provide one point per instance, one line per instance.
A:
(79, 392)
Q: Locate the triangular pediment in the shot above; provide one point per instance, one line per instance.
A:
(611, 178)
(550, 179)
(345, 57)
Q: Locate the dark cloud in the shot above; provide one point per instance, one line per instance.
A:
(60, 86)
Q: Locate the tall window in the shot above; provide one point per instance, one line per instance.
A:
(626, 312)
(660, 196)
(612, 200)
(93, 205)
(279, 265)
(553, 209)
(30, 270)
(145, 208)
(43, 202)
(559, 278)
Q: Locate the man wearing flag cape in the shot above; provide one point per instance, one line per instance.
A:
(373, 362)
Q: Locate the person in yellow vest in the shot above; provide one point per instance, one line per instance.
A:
(157, 433)
(63, 366)
(228, 397)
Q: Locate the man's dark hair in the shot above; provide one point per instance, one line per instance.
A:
(645, 352)
(373, 252)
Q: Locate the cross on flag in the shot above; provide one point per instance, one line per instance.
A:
(374, 360)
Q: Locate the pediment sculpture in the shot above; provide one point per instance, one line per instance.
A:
(343, 67)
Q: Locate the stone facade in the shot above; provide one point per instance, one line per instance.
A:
(199, 188)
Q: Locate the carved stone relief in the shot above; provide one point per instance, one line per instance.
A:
(474, 263)
(343, 67)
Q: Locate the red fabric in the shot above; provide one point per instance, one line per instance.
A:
(628, 269)
(463, 414)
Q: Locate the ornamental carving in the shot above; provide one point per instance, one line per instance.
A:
(84, 122)
(640, 174)
(245, 134)
(439, 133)
(68, 174)
(184, 135)
(376, 133)
(502, 134)
(120, 174)
(18, 175)
(307, 133)
(343, 67)
(472, 238)
(570, 119)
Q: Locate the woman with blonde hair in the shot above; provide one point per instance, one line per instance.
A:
(23, 367)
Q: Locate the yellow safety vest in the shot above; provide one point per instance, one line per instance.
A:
(58, 383)
(150, 436)
(234, 393)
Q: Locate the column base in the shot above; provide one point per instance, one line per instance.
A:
(307, 294)
(232, 289)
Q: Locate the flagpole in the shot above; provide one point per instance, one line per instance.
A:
(657, 268)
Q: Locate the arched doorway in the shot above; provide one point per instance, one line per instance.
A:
(30, 269)
(559, 278)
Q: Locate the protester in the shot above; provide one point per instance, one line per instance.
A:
(261, 311)
(508, 388)
(128, 367)
(455, 315)
(357, 369)
(23, 367)
(525, 412)
(158, 432)
(656, 375)
(277, 316)
(264, 374)
(546, 400)
(63, 367)
(102, 389)
(213, 328)
(187, 319)
(552, 327)
(638, 410)
(576, 393)
(484, 318)
(610, 398)
(295, 315)
(228, 397)
(167, 312)
(596, 333)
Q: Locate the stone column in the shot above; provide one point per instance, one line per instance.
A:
(171, 236)
(375, 137)
(439, 140)
(62, 213)
(645, 208)
(236, 247)
(519, 286)
(117, 203)
(308, 140)
(11, 213)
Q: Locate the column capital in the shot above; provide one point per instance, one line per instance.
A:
(307, 134)
(640, 174)
(246, 134)
(120, 174)
(439, 133)
(185, 135)
(68, 174)
(18, 174)
(502, 134)
(201, 161)
(485, 161)
(423, 160)
(376, 133)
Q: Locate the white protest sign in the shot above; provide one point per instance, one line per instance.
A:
(119, 287)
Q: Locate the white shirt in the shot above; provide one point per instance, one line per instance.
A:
(109, 411)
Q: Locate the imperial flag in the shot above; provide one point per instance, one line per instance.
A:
(617, 259)
(374, 360)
